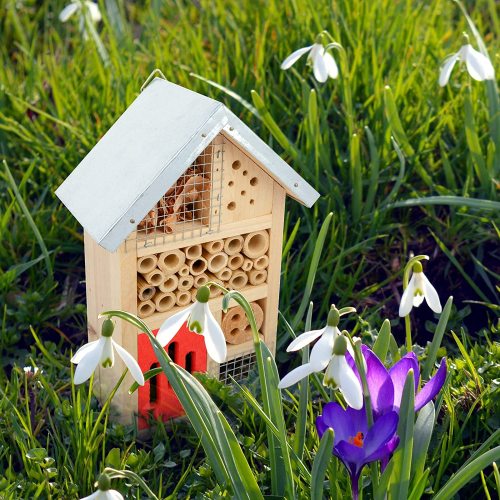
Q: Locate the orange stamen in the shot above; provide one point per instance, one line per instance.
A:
(357, 440)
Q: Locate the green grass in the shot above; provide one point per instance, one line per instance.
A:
(412, 168)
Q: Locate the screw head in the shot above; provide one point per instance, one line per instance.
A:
(296, 185)
(132, 221)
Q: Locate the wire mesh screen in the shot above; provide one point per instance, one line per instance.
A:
(237, 368)
(192, 206)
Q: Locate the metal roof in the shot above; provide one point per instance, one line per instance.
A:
(147, 149)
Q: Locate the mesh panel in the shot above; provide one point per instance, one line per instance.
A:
(192, 206)
(237, 368)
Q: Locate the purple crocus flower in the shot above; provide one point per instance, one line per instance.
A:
(386, 386)
(356, 444)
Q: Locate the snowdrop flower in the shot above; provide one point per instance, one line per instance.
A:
(100, 352)
(478, 65)
(85, 6)
(339, 375)
(321, 352)
(322, 62)
(104, 492)
(200, 320)
(31, 371)
(418, 289)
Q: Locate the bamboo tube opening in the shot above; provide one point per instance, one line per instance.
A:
(170, 262)
(214, 246)
(193, 252)
(261, 263)
(184, 270)
(155, 277)
(217, 262)
(200, 280)
(183, 298)
(257, 277)
(145, 309)
(185, 283)
(170, 284)
(256, 244)
(235, 261)
(145, 291)
(146, 264)
(238, 280)
(247, 265)
(164, 301)
(197, 266)
(225, 274)
(194, 291)
(233, 245)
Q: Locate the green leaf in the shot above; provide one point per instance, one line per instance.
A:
(381, 345)
(458, 201)
(147, 376)
(382, 487)
(424, 426)
(391, 112)
(320, 464)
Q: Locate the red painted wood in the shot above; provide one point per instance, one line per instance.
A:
(157, 398)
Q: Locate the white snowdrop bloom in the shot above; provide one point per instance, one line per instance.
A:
(101, 352)
(200, 320)
(339, 375)
(418, 289)
(104, 492)
(478, 65)
(79, 6)
(322, 62)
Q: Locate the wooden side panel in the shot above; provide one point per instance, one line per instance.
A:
(111, 283)
(247, 190)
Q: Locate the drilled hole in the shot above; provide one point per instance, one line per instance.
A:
(236, 165)
(243, 193)
(254, 181)
(245, 172)
(231, 205)
(230, 183)
(252, 202)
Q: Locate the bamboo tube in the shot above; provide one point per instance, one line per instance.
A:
(215, 246)
(145, 309)
(164, 301)
(247, 265)
(170, 284)
(238, 280)
(194, 291)
(145, 291)
(197, 266)
(256, 244)
(261, 263)
(235, 261)
(182, 298)
(154, 277)
(233, 245)
(235, 324)
(193, 252)
(225, 274)
(257, 277)
(147, 263)
(185, 283)
(216, 262)
(170, 262)
(183, 271)
(200, 280)
(214, 291)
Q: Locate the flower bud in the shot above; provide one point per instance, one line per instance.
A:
(103, 482)
(107, 328)
(340, 346)
(203, 294)
(333, 317)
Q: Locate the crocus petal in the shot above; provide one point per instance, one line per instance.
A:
(295, 375)
(319, 66)
(304, 339)
(407, 298)
(380, 432)
(350, 385)
(384, 452)
(95, 13)
(68, 11)
(432, 387)
(335, 417)
(294, 57)
(431, 296)
(215, 341)
(78, 356)
(171, 326)
(322, 351)
(478, 65)
(130, 362)
(447, 68)
(352, 456)
(331, 65)
(398, 374)
(89, 363)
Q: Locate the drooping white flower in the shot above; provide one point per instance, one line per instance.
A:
(104, 492)
(200, 320)
(322, 62)
(418, 289)
(339, 375)
(101, 352)
(478, 65)
(81, 6)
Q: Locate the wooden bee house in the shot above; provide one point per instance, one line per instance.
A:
(179, 192)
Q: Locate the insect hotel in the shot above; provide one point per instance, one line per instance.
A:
(179, 192)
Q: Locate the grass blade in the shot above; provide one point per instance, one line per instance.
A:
(320, 464)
